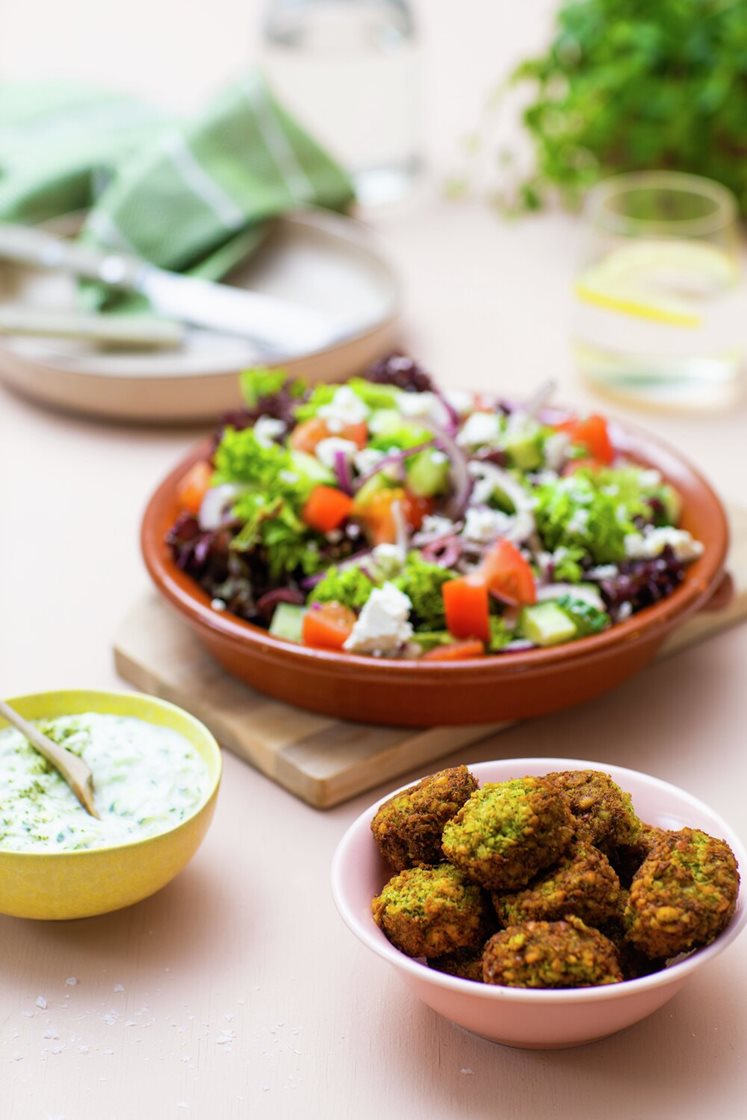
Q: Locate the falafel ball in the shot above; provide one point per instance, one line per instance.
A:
(682, 895)
(432, 911)
(508, 831)
(583, 884)
(565, 954)
(467, 964)
(407, 828)
(603, 812)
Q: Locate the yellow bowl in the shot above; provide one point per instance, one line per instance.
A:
(58, 885)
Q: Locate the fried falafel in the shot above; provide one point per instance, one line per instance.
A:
(564, 954)
(583, 884)
(432, 911)
(603, 812)
(407, 828)
(508, 831)
(683, 894)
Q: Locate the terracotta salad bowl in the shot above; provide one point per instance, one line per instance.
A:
(514, 684)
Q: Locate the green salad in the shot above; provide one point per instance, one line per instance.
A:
(389, 518)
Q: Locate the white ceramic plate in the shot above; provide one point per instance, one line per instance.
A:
(316, 258)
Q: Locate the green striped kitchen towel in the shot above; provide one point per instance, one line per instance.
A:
(60, 144)
(190, 196)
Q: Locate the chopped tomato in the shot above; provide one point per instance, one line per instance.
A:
(415, 509)
(593, 434)
(467, 607)
(326, 508)
(455, 651)
(327, 625)
(193, 487)
(307, 435)
(378, 517)
(508, 575)
(356, 433)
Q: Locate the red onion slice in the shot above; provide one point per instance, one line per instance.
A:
(342, 471)
(461, 481)
(216, 505)
(398, 456)
(451, 412)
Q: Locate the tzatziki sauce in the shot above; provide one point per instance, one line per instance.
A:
(146, 780)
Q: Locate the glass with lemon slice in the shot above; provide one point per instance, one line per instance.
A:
(660, 311)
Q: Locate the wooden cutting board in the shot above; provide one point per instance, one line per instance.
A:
(322, 760)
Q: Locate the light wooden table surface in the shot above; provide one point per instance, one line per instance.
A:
(237, 992)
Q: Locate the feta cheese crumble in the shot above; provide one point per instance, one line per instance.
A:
(479, 428)
(485, 525)
(328, 449)
(346, 407)
(646, 546)
(382, 627)
(267, 430)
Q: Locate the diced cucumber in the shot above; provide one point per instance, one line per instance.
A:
(376, 483)
(546, 625)
(523, 447)
(385, 421)
(308, 466)
(587, 617)
(428, 474)
(287, 622)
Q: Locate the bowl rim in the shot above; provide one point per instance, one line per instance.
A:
(215, 767)
(701, 579)
(674, 974)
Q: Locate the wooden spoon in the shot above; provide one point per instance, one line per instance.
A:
(72, 768)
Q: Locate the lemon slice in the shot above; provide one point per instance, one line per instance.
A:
(664, 281)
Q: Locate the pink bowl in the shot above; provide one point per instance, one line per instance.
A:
(515, 1016)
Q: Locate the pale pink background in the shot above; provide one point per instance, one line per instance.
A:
(247, 940)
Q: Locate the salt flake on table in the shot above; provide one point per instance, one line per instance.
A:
(119, 987)
(225, 1036)
(50, 1032)
(111, 1017)
(41, 1002)
(71, 981)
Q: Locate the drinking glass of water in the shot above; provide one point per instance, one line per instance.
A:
(348, 70)
(659, 309)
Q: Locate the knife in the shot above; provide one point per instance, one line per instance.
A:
(282, 328)
(128, 332)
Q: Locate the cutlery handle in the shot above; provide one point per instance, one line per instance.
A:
(128, 331)
(26, 245)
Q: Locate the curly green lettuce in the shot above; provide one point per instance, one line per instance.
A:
(271, 502)
(349, 586)
(422, 583)
(588, 511)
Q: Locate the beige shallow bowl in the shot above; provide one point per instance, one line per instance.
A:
(55, 885)
(320, 260)
(515, 1016)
